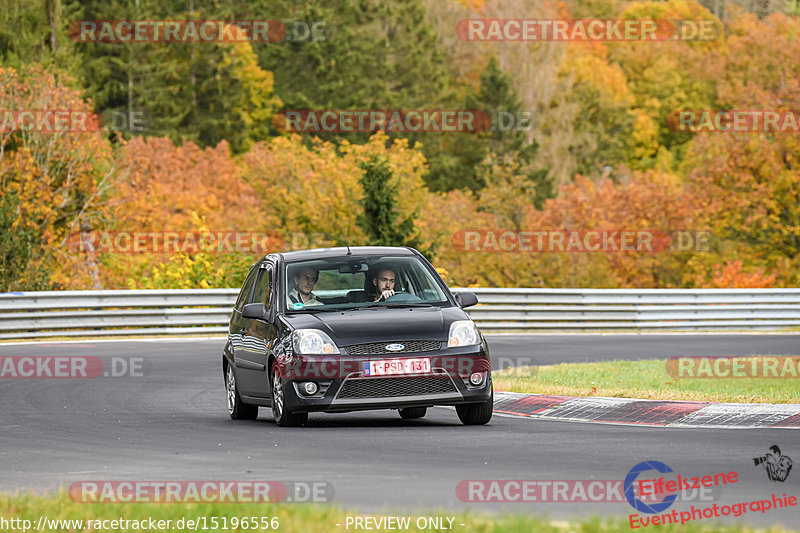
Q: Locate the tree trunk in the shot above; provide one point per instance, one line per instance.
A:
(51, 19)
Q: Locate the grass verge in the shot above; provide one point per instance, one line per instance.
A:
(292, 518)
(643, 379)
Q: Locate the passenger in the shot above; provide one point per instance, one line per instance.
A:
(304, 283)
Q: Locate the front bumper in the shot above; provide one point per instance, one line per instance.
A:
(344, 387)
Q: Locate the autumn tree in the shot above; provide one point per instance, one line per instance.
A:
(35, 31)
(305, 187)
(501, 139)
(370, 55)
(748, 182)
(310, 188)
(53, 182)
(665, 77)
(379, 219)
(200, 91)
(186, 188)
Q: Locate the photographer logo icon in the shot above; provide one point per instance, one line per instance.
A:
(777, 466)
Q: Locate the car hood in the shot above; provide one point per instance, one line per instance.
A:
(381, 324)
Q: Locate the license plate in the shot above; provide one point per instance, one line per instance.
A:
(393, 367)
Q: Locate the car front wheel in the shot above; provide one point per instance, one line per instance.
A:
(280, 413)
(476, 414)
(236, 408)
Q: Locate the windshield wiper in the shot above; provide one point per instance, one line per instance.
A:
(382, 305)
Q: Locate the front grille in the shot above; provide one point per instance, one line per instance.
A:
(389, 387)
(380, 347)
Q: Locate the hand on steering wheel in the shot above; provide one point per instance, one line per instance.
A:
(389, 293)
(385, 295)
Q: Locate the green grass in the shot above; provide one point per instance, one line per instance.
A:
(643, 379)
(307, 518)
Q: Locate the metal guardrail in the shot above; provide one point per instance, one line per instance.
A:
(178, 312)
(121, 312)
(636, 309)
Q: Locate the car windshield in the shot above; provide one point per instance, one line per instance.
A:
(350, 282)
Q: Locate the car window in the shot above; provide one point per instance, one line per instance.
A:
(262, 292)
(349, 282)
(331, 280)
(427, 286)
(244, 294)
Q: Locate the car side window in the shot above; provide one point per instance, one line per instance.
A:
(262, 293)
(244, 295)
(405, 282)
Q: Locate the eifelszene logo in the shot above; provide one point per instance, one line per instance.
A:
(655, 495)
(630, 484)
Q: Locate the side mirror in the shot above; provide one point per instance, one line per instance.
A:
(466, 299)
(255, 311)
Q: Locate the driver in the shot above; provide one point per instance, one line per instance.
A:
(304, 282)
(384, 281)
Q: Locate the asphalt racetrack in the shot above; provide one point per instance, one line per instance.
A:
(171, 423)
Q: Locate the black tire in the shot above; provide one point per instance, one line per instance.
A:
(476, 414)
(283, 417)
(410, 413)
(236, 407)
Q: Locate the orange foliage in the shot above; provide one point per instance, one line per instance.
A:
(730, 275)
(651, 201)
(164, 184)
(163, 187)
(55, 178)
(744, 187)
(748, 183)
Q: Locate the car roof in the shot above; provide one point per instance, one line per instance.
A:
(325, 253)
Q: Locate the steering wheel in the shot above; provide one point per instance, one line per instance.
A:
(403, 297)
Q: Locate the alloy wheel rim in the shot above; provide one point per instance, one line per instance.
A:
(277, 396)
(231, 382)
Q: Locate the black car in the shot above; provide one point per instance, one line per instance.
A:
(345, 329)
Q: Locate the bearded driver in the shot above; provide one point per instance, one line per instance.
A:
(384, 281)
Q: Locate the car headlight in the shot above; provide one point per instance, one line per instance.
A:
(463, 333)
(312, 342)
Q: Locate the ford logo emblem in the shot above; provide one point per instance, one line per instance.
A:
(394, 347)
